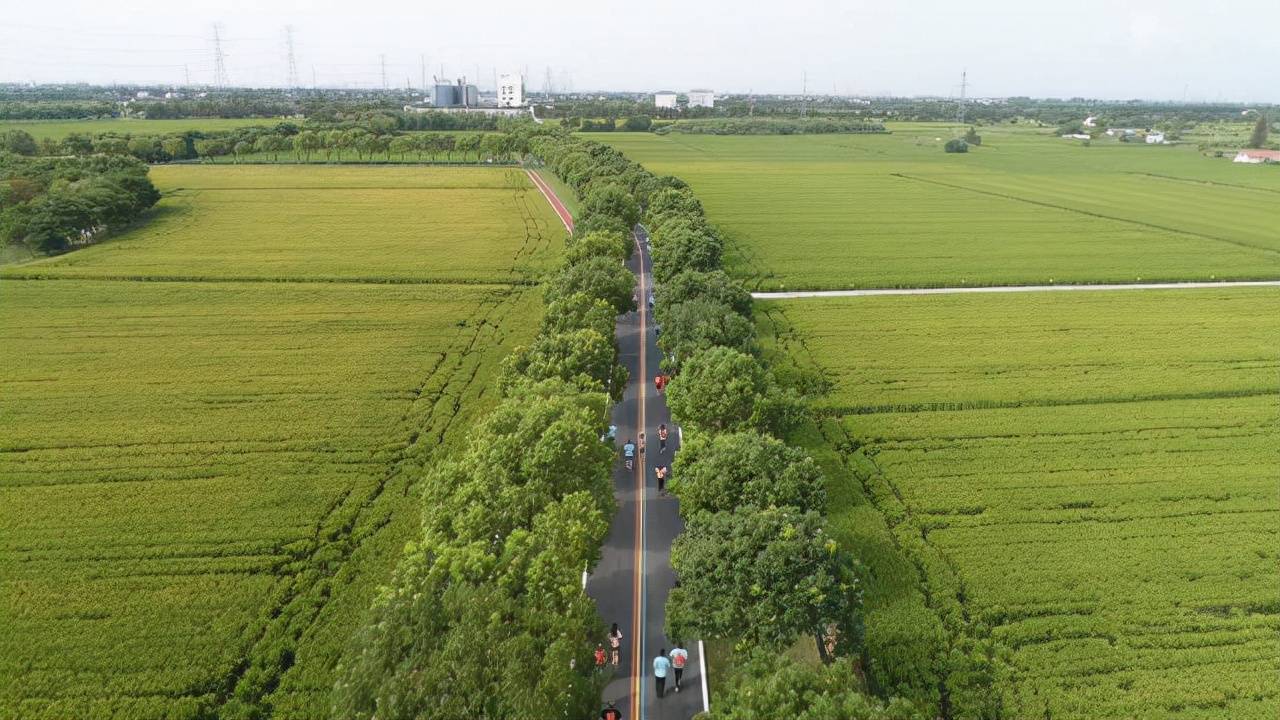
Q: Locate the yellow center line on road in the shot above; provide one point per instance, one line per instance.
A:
(637, 669)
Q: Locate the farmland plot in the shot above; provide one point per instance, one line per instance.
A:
(374, 224)
(205, 480)
(855, 211)
(1098, 472)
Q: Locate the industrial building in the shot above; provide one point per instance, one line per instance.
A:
(444, 95)
(702, 98)
(664, 99)
(510, 91)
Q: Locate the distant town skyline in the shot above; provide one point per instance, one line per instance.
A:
(1097, 49)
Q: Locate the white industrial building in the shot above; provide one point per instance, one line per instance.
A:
(664, 99)
(702, 98)
(511, 91)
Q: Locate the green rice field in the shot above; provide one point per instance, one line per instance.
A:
(858, 211)
(457, 225)
(1090, 478)
(58, 129)
(211, 427)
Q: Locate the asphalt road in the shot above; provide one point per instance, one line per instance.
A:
(634, 576)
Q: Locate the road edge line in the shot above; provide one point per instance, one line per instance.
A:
(702, 670)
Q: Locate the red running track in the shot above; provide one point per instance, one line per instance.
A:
(550, 195)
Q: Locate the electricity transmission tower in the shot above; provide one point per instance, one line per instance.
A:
(422, 62)
(964, 86)
(292, 80)
(219, 60)
(547, 86)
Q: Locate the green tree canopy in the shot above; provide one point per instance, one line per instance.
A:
(601, 277)
(597, 244)
(716, 286)
(702, 323)
(766, 576)
(612, 200)
(722, 471)
(721, 389)
(1258, 138)
(769, 686)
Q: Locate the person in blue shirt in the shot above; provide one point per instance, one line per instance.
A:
(629, 452)
(661, 666)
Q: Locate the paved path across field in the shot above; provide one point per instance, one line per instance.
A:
(631, 582)
(550, 195)
(1010, 289)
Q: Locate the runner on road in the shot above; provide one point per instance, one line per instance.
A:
(641, 443)
(661, 665)
(661, 473)
(659, 382)
(662, 438)
(629, 452)
(615, 644)
(600, 657)
(610, 712)
(679, 656)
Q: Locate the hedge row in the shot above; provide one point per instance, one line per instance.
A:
(486, 616)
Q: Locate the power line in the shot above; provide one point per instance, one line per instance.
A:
(219, 61)
(292, 81)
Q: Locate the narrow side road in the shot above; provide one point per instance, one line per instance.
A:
(634, 576)
(565, 216)
(1011, 289)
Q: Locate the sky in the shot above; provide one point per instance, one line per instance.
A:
(1108, 49)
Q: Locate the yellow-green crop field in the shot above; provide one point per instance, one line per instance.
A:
(858, 211)
(1090, 476)
(268, 222)
(205, 476)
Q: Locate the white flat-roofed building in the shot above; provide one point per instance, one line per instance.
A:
(664, 99)
(702, 98)
(510, 91)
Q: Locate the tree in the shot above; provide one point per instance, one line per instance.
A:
(721, 389)
(638, 123)
(718, 472)
(582, 357)
(612, 200)
(468, 143)
(598, 277)
(174, 147)
(956, 145)
(307, 142)
(403, 145)
(578, 311)
(972, 137)
(675, 252)
(1258, 138)
(773, 685)
(529, 452)
(19, 142)
(242, 148)
(597, 244)
(701, 323)
(766, 576)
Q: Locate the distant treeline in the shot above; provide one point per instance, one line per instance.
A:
(366, 137)
(52, 205)
(772, 126)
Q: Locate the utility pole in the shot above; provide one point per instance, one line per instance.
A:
(804, 95)
(291, 81)
(382, 59)
(186, 72)
(964, 86)
(219, 60)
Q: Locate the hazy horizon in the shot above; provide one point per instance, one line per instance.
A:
(1094, 49)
